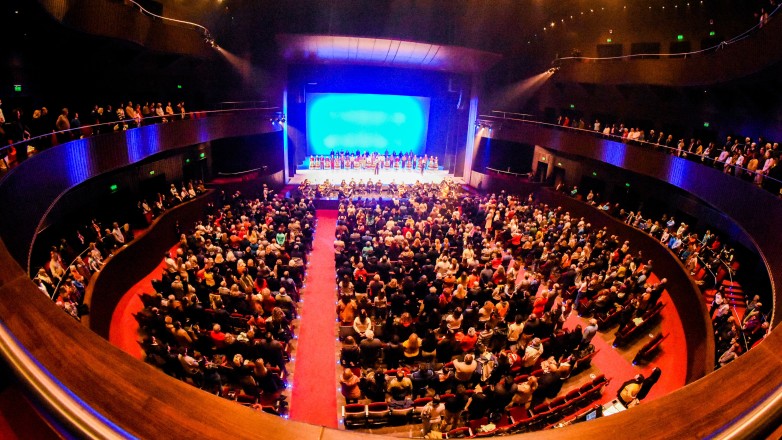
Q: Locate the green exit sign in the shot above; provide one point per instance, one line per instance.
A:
(712, 33)
(680, 37)
(608, 40)
(17, 87)
(179, 86)
(203, 155)
(594, 173)
(572, 106)
(706, 125)
(152, 173)
(113, 187)
(627, 184)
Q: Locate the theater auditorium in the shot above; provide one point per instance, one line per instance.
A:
(390, 219)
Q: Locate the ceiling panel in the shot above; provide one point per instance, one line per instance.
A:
(322, 49)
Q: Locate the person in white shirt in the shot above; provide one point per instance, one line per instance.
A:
(431, 415)
(117, 233)
(171, 265)
(515, 329)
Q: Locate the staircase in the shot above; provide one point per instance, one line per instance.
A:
(733, 293)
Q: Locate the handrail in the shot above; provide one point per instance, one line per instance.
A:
(234, 105)
(706, 266)
(185, 115)
(239, 173)
(507, 172)
(718, 46)
(57, 287)
(53, 394)
(620, 139)
(504, 114)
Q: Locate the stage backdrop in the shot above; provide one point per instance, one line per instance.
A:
(366, 122)
(447, 95)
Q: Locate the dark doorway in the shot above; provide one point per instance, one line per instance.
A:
(557, 177)
(541, 171)
(195, 169)
(153, 185)
(591, 183)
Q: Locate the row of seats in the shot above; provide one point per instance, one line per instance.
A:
(627, 333)
(379, 414)
(549, 413)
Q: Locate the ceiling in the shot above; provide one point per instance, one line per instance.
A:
(383, 52)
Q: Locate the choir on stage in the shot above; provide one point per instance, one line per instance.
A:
(373, 161)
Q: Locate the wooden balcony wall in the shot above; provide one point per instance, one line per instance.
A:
(122, 20)
(737, 60)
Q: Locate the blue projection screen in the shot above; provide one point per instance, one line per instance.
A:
(364, 122)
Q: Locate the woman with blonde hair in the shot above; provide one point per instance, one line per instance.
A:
(412, 347)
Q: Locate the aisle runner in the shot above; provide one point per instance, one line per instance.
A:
(313, 399)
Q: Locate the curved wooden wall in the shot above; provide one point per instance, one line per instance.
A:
(736, 60)
(133, 262)
(58, 359)
(123, 21)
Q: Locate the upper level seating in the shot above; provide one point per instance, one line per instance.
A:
(24, 134)
(82, 253)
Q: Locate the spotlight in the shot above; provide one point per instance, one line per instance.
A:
(553, 70)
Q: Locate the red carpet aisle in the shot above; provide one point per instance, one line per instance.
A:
(313, 399)
(123, 332)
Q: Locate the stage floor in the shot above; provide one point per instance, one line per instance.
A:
(386, 177)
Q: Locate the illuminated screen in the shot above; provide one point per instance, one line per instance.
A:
(371, 123)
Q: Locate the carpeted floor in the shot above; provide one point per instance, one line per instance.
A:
(616, 363)
(123, 332)
(313, 399)
(19, 419)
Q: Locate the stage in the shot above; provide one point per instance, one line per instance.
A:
(385, 176)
